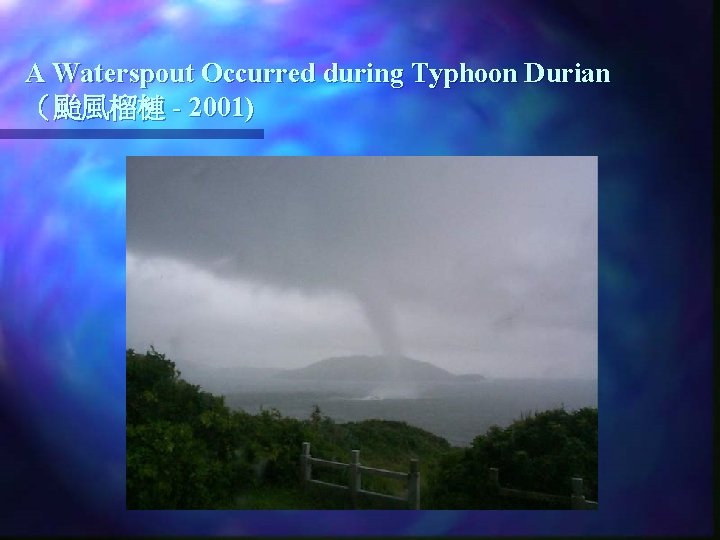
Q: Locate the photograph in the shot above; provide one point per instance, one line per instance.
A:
(362, 332)
(357, 269)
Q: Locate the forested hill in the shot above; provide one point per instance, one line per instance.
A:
(368, 368)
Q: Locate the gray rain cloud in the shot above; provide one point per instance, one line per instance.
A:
(476, 264)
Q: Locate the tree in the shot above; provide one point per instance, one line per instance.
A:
(316, 415)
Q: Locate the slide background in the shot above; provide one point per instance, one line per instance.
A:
(62, 228)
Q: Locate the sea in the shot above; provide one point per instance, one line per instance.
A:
(456, 411)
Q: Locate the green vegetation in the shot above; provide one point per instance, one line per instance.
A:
(186, 449)
(181, 442)
(540, 452)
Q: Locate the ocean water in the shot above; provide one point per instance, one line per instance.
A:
(456, 411)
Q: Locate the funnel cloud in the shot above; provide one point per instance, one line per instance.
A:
(476, 264)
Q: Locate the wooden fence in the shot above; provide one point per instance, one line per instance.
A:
(576, 500)
(356, 470)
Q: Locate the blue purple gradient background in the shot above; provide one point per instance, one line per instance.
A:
(62, 228)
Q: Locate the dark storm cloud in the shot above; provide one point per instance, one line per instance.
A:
(490, 246)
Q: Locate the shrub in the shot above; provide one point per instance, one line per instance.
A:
(540, 452)
(181, 442)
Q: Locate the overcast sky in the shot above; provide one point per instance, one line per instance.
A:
(476, 264)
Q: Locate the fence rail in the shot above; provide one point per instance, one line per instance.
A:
(576, 500)
(354, 487)
(384, 472)
(329, 464)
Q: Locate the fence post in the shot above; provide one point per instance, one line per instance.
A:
(494, 479)
(414, 486)
(578, 494)
(354, 477)
(305, 465)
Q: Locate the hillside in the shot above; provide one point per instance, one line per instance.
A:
(369, 368)
(187, 450)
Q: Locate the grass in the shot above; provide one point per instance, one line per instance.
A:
(299, 498)
(280, 498)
